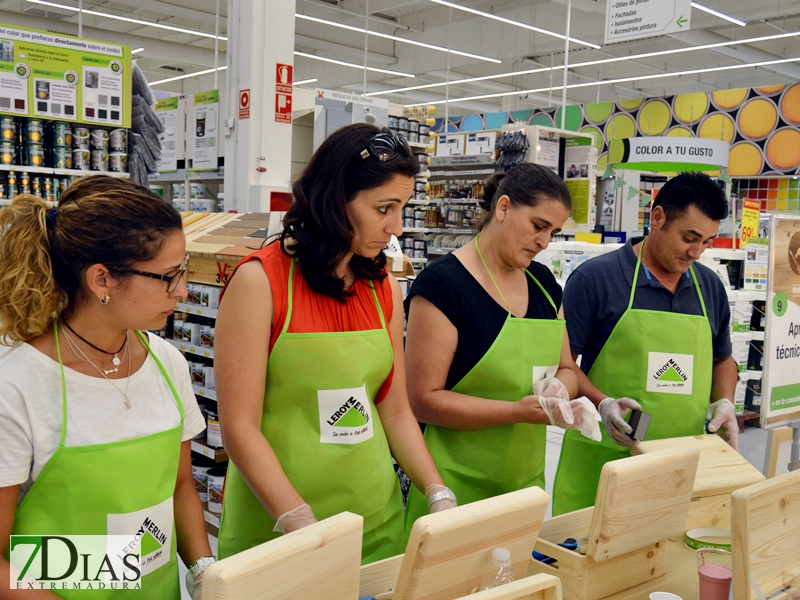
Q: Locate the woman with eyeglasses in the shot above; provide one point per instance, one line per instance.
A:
(489, 363)
(96, 414)
(309, 358)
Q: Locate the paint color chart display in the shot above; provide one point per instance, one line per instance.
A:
(50, 76)
(779, 194)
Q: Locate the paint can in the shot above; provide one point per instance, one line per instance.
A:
(216, 485)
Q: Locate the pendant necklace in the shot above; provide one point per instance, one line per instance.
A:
(82, 356)
(116, 361)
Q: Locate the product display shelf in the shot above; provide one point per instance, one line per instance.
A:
(216, 454)
(63, 172)
(194, 309)
(199, 390)
(440, 250)
(187, 177)
(212, 520)
(192, 348)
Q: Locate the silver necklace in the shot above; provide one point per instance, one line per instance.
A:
(82, 356)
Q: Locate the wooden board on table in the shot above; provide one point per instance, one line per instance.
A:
(766, 536)
(450, 552)
(536, 587)
(641, 500)
(254, 243)
(721, 470)
(318, 561)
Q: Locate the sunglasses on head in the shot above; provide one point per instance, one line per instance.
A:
(384, 145)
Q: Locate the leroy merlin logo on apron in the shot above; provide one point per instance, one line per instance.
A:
(669, 373)
(345, 416)
(149, 533)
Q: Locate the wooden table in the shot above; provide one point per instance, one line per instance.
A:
(681, 577)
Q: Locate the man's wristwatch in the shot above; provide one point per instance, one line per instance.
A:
(445, 494)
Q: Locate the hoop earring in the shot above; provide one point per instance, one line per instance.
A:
(105, 300)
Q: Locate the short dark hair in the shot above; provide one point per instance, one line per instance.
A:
(316, 230)
(692, 189)
(526, 184)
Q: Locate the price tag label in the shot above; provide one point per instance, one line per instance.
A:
(750, 212)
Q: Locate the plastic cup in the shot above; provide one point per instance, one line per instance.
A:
(715, 569)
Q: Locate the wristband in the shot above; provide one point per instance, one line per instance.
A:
(445, 494)
(694, 538)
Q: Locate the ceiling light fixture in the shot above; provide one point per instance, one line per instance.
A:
(137, 50)
(130, 20)
(397, 39)
(304, 81)
(614, 81)
(187, 76)
(711, 11)
(511, 22)
(591, 63)
(352, 65)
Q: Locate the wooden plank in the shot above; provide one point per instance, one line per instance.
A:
(583, 578)
(231, 240)
(766, 535)
(449, 552)
(710, 511)
(642, 500)
(776, 438)
(721, 470)
(537, 587)
(380, 576)
(318, 561)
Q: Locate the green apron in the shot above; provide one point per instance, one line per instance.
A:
(110, 489)
(663, 360)
(482, 463)
(320, 420)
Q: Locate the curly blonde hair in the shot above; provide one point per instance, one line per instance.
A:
(44, 253)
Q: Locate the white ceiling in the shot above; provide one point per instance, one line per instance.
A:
(170, 53)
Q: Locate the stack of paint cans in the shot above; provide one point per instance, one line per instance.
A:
(31, 147)
(8, 140)
(98, 142)
(81, 155)
(61, 144)
(118, 151)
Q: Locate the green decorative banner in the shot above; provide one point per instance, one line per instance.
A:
(785, 396)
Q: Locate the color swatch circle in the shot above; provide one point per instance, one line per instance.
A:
(790, 104)
(727, 99)
(757, 118)
(679, 132)
(654, 118)
(632, 104)
(598, 136)
(619, 127)
(717, 126)
(769, 90)
(690, 108)
(572, 120)
(783, 149)
(597, 112)
(745, 160)
(542, 119)
(602, 163)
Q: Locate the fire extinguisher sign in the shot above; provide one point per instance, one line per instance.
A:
(283, 93)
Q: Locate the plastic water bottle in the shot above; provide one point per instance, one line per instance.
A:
(503, 573)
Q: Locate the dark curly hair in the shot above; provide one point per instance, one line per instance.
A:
(316, 230)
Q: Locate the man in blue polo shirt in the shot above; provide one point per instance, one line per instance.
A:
(652, 329)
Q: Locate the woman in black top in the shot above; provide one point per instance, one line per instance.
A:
(488, 360)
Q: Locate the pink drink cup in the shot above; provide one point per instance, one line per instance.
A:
(715, 582)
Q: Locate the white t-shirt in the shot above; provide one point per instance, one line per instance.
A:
(30, 407)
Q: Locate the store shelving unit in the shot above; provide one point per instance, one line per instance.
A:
(187, 177)
(61, 172)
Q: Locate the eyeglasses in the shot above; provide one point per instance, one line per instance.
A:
(172, 279)
(384, 145)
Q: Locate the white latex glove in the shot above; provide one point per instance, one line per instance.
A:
(444, 503)
(198, 587)
(551, 388)
(613, 412)
(587, 420)
(558, 410)
(723, 415)
(295, 519)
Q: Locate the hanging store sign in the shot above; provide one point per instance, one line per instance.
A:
(206, 138)
(47, 75)
(750, 213)
(634, 19)
(669, 154)
(169, 112)
(780, 399)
